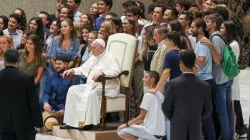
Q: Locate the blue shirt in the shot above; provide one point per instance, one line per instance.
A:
(98, 23)
(58, 85)
(55, 49)
(205, 72)
(172, 61)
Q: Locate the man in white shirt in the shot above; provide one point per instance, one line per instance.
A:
(12, 30)
(153, 127)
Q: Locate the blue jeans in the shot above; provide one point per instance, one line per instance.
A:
(224, 108)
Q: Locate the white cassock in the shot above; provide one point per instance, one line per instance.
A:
(83, 103)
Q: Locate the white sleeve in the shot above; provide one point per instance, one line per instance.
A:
(147, 99)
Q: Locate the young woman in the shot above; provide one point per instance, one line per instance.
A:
(6, 42)
(24, 39)
(229, 32)
(128, 26)
(66, 43)
(23, 24)
(148, 47)
(93, 11)
(66, 12)
(3, 22)
(31, 60)
(36, 26)
(85, 19)
(107, 29)
(175, 25)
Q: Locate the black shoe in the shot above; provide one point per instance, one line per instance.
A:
(66, 127)
(86, 127)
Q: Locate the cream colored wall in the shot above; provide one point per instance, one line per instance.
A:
(31, 7)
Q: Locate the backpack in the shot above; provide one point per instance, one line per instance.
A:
(228, 64)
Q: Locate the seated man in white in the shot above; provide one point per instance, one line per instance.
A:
(83, 102)
(153, 126)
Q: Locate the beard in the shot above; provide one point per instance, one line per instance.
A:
(194, 34)
(61, 71)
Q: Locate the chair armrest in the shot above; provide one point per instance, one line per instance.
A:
(103, 77)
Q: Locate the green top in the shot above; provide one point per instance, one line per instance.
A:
(29, 68)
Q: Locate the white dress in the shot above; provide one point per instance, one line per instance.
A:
(236, 83)
(83, 102)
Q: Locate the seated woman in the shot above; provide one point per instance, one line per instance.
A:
(31, 60)
(6, 43)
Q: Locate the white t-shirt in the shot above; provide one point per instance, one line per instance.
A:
(154, 120)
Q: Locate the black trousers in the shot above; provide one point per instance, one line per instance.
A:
(18, 136)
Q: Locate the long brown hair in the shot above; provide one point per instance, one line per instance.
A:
(72, 33)
(38, 48)
(132, 22)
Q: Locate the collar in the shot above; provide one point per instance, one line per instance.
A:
(216, 32)
(161, 43)
(187, 73)
(16, 33)
(101, 55)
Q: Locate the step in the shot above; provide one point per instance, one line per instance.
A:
(85, 135)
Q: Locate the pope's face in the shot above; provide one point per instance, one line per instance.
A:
(97, 49)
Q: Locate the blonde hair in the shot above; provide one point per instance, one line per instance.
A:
(109, 28)
(9, 40)
(78, 29)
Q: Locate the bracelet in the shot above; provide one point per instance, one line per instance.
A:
(127, 124)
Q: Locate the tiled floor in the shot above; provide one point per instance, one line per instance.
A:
(245, 102)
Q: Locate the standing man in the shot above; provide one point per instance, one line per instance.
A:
(103, 8)
(224, 83)
(187, 98)
(12, 30)
(74, 4)
(204, 64)
(18, 102)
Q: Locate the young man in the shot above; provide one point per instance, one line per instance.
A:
(187, 98)
(170, 14)
(223, 82)
(12, 30)
(59, 5)
(74, 4)
(57, 85)
(103, 6)
(125, 6)
(182, 5)
(151, 115)
(204, 64)
(185, 18)
(135, 12)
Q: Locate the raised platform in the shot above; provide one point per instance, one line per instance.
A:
(88, 135)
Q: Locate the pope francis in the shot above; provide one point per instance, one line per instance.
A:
(83, 103)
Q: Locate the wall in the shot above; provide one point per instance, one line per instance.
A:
(31, 7)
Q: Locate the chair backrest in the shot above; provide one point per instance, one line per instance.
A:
(124, 48)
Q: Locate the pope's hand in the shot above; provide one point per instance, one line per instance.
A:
(67, 73)
(97, 76)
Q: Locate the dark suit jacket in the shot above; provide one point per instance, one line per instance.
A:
(186, 99)
(19, 104)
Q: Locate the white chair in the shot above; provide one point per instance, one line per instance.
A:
(124, 48)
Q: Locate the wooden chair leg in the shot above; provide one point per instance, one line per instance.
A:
(103, 113)
(126, 113)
